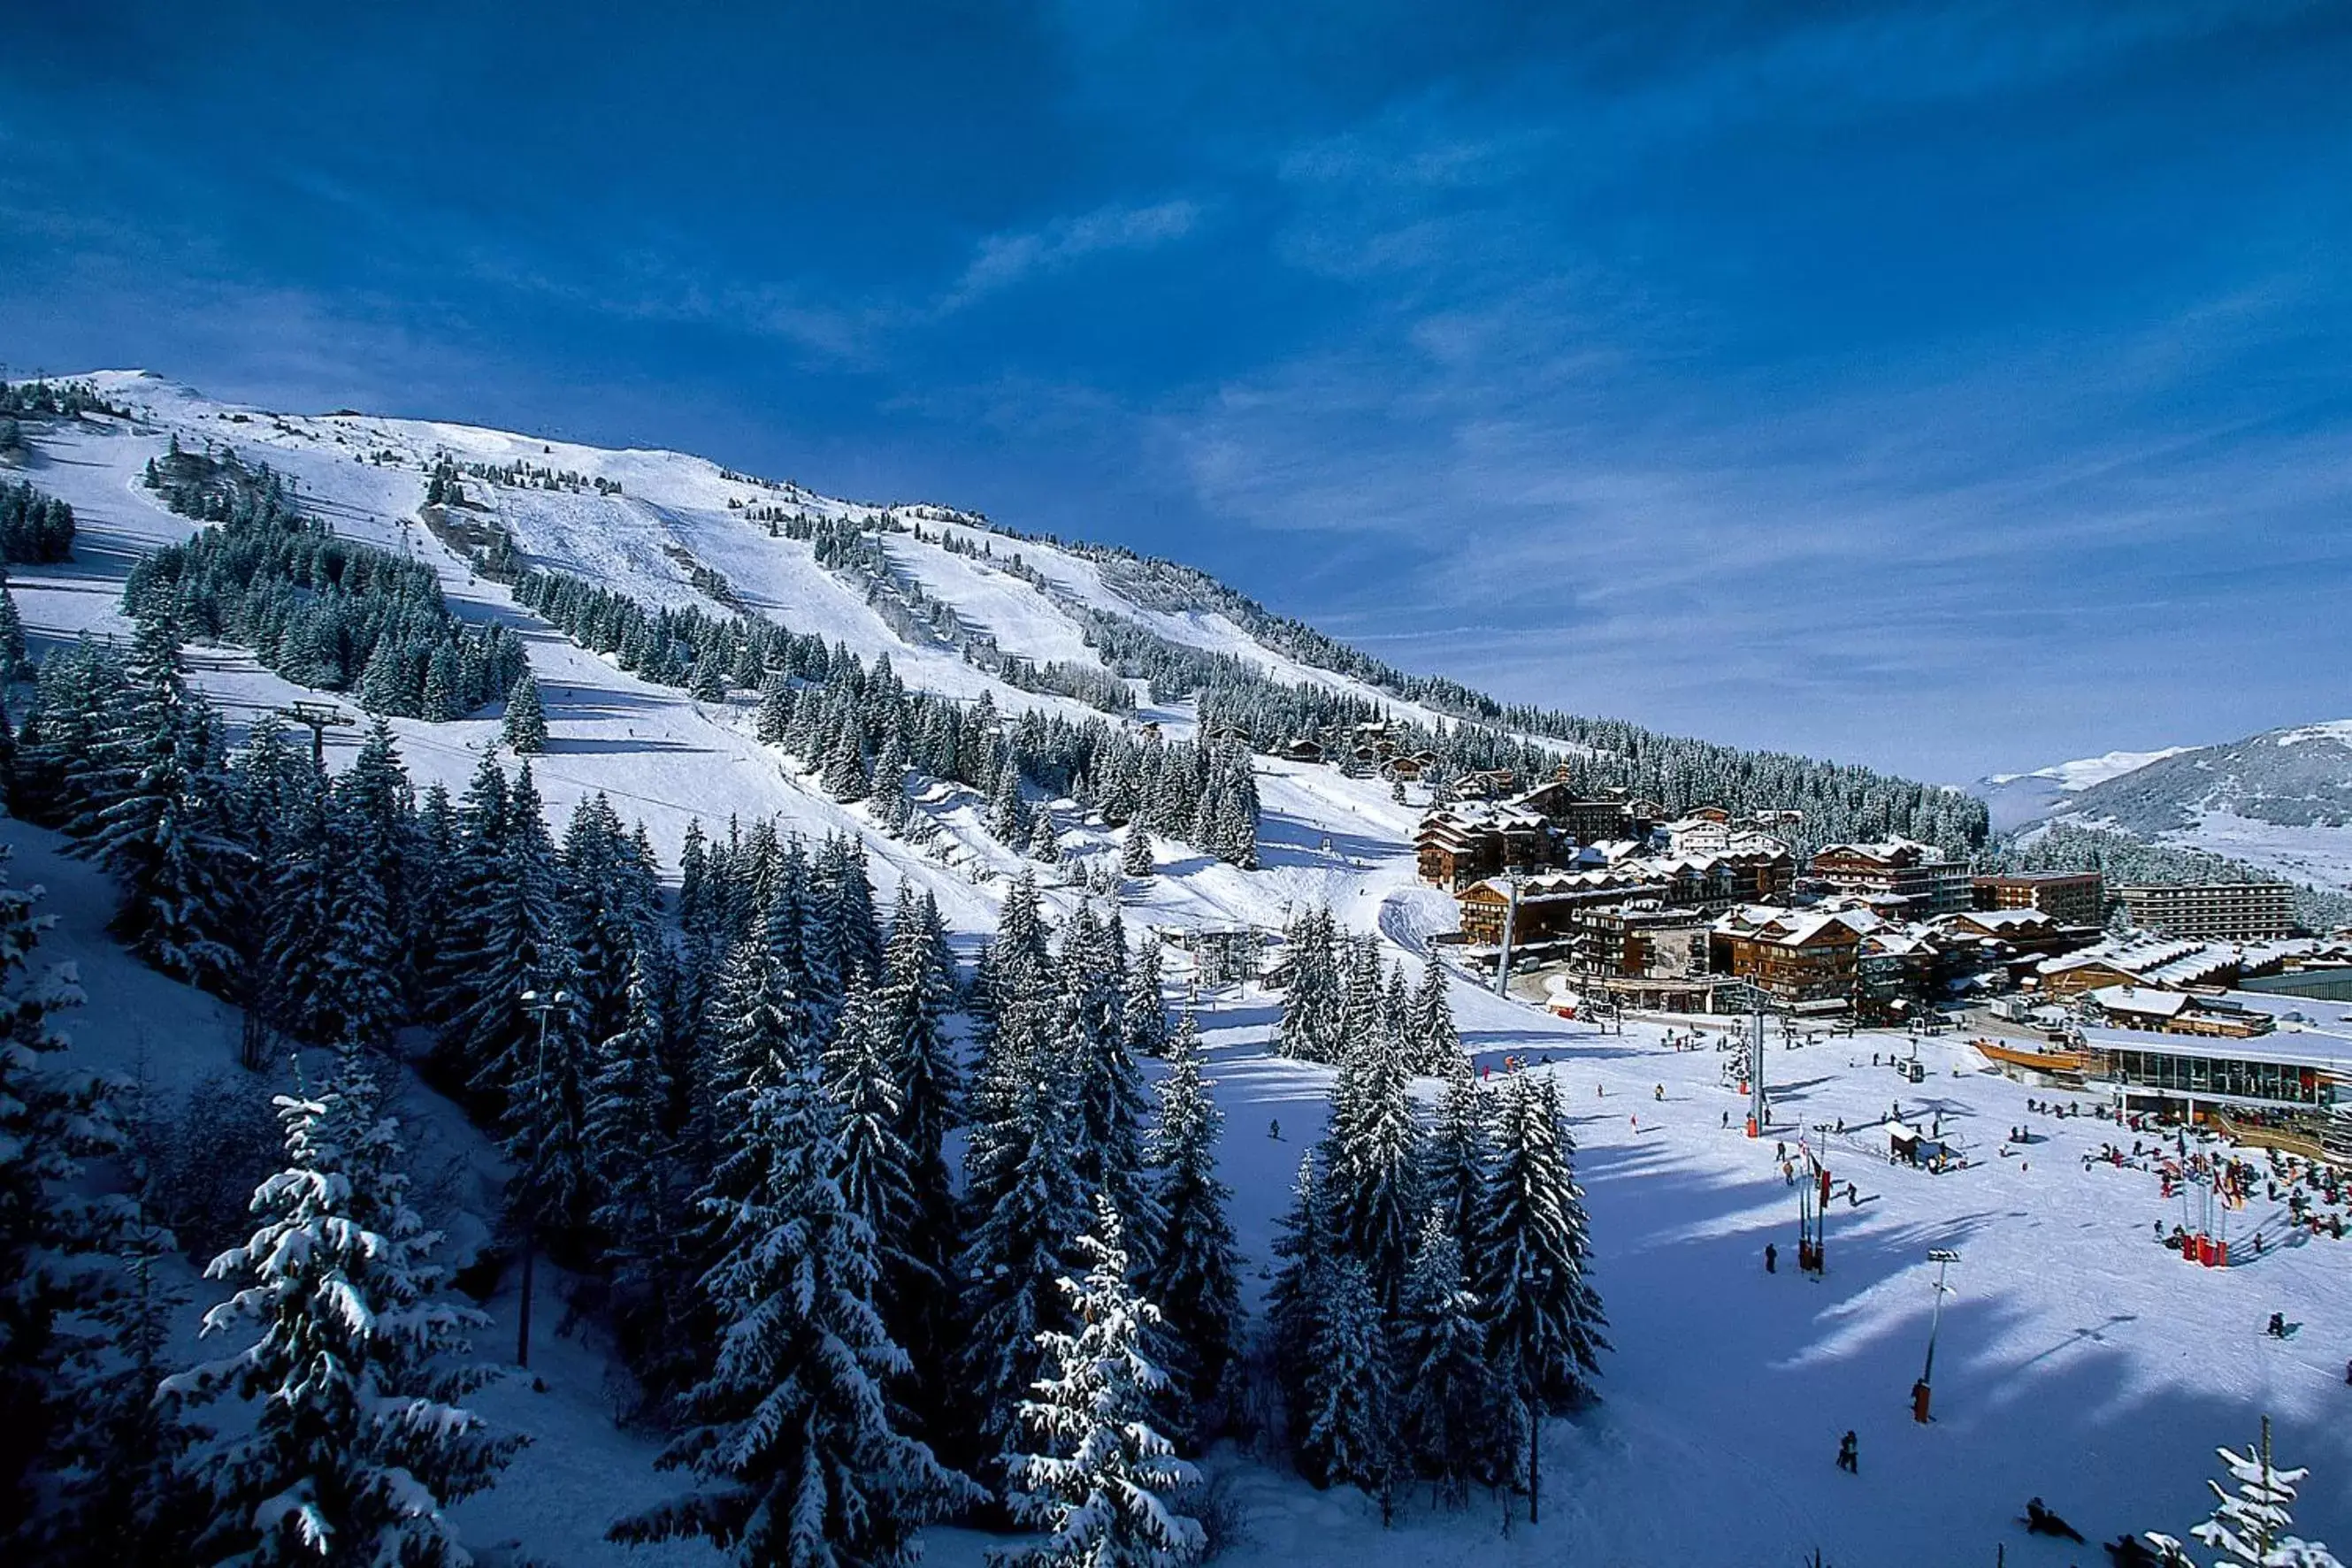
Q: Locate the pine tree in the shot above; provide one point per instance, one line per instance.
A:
(52, 1233)
(127, 1494)
(843, 776)
(1457, 1154)
(506, 938)
(1446, 1409)
(1031, 1205)
(792, 1441)
(359, 1444)
(1108, 1084)
(1194, 1272)
(1008, 816)
(1044, 845)
(156, 825)
(524, 728)
(1348, 1429)
(1372, 1162)
(1436, 1043)
(875, 1172)
(2252, 1526)
(1314, 1022)
(1099, 1485)
(637, 1215)
(1543, 1318)
(1135, 857)
(1144, 1010)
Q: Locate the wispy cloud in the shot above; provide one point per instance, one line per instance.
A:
(1005, 260)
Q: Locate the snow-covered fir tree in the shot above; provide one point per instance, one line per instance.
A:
(1346, 1428)
(1028, 1202)
(1144, 1008)
(155, 822)
(1112, 1104)
(1313, 1025)
(1447, 1414)
(1194, 1272)
(875, 1170)
(1372, 1163)
(507, 936)
(797, 1455)
(1455, 1154)
(524, 728)
(1135, 856)
(2252, 1525)
(1528, 1260)
(637, 1218)
(53, 1117)
(1101, 1481)
(1436, 1043)
(358, 1444)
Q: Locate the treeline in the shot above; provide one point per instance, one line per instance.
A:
(855, 724)
(314, 607)
(35, 528)
(45, 399)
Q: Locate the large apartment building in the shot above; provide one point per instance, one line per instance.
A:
(2069, 897)
(1920, 874)
(2214, 910)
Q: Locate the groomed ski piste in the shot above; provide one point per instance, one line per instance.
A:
(2078, 1360)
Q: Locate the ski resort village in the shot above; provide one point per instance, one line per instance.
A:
(580, 1007)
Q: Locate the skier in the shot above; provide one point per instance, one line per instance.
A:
(1726, 1118)
(1848, 1461)
(2277, 1329)
(1273, 1129)
(1659, 1094)
(1772, 1259)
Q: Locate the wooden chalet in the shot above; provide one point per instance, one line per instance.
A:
(1806, 961)
(1549, 903)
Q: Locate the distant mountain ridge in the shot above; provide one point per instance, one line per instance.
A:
(2281, 800)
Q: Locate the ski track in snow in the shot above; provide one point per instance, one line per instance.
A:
(2078, 1361)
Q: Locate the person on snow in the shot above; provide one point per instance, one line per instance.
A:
(1848, 1461)
(1772, 1259)
(2277, 1329)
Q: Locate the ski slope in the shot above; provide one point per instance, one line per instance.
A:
(2079, 1362)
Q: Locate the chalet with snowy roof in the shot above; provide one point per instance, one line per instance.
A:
(1929, 882)
(1752, 875)
(1546, 903)
(2028, 936)
(1586, 819)
(1806, 960)
(1301, 748)
(1488, 784)
(1470, 841)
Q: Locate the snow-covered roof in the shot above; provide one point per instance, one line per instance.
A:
(2330, 1052)
(2142, 1003)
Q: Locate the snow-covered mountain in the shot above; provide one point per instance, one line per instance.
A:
(2018, 800)
(2281, 800)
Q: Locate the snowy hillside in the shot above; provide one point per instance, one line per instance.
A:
(2281, 800)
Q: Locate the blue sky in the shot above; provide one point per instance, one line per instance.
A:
(1951, 387)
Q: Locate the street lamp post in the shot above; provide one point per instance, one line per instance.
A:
(1943, 1257)
(541, 1006)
